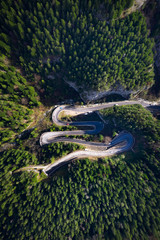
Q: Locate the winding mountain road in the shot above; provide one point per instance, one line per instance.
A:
(49, 137)
(123, 142)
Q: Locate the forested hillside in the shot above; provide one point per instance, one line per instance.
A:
(17, 98)
(135, 119)
(114, 198)
(42, 44)
(78, 42)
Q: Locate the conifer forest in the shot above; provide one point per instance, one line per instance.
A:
(97, 45)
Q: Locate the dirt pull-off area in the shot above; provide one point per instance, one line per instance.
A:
(136, 6)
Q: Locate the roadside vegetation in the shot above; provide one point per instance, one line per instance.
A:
(111, 201)
(52, 152)
(113, 198)
(135, 119)
(42, 44)
(17, 98)
(81, 118)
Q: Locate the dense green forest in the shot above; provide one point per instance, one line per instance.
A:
(67, 39)
(152, 11)
(17, 98)
(135, 119)
(115, 54)
(114, 198)
(43, 43)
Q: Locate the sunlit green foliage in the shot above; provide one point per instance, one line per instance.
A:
(70, 40)
(104, 54)
(16, 97)
(14, 87)
(14, 118)
(115, 199)
(93, 200)
(135, 119)
(13, 159)
(86, 42)
(14, 115)
(57, 150)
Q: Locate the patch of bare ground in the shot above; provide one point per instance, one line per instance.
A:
(37, 78)
(7, 61)
(65, 115)
(92, 159)
(38, 114)
(138, 4)
(51, 59)
(107, 139)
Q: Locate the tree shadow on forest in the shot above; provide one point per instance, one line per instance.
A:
(58, 93)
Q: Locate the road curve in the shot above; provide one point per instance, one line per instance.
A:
(49, 137)
(123, 142)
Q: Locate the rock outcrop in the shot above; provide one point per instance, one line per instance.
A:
(91, 95)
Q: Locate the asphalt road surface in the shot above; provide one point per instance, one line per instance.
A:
(97, 126)
(123, 142)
